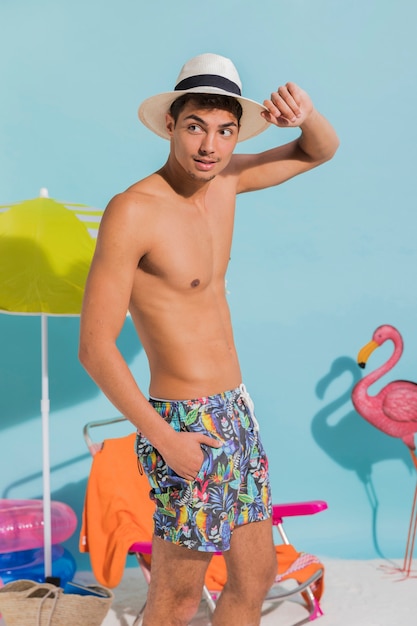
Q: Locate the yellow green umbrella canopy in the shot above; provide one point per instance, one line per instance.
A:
(46, 248)
(45, 253)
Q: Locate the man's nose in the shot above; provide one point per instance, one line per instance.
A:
(207, 144)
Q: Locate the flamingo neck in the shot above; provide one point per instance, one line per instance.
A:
(383, 369)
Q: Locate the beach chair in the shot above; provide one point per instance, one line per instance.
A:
(117, 521)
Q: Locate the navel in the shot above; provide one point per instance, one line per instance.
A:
(195, 282)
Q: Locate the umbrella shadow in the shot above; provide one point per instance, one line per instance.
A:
(20, 362)
(20, 357)
(73, 494)
(349, 440)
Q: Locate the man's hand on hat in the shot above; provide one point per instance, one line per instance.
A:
(289, 106)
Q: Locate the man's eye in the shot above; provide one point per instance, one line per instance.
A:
(227, 132)
(194, 128)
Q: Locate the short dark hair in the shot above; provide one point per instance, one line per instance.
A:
(207, 101)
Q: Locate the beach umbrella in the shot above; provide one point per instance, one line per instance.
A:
(46, 249)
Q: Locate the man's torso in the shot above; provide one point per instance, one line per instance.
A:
(178, 301)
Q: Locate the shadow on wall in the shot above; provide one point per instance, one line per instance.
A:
(20, 364)
(349, 440)
(73, 494)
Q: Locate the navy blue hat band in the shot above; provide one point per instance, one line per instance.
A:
(209, 80)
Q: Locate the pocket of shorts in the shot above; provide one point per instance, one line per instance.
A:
(160, 475)
(218, 463)
(148, 458)
(205, 465)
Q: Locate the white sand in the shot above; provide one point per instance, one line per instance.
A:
(357, 593)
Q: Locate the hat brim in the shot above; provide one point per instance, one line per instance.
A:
(152, 112)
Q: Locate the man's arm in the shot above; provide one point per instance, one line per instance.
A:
(288, 107)
(122, 241)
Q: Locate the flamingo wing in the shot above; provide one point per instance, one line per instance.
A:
(400, 404)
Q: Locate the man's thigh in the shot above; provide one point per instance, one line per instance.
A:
(176, 569)
(252, 557)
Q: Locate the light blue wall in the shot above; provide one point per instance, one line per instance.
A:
(317, 264)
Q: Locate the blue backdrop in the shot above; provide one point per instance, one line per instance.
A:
(317, 264)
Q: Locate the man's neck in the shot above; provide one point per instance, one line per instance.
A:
(182, 182)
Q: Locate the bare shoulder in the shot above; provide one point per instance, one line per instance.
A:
(131, 210)
(126, 229)
(134, 201)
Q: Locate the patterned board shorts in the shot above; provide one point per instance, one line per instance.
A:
(232, 487)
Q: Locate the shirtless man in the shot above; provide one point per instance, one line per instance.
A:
(162, 253)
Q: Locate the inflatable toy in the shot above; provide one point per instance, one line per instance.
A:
(21, 524)
(29, 565)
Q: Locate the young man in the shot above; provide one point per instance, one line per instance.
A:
(162, 254)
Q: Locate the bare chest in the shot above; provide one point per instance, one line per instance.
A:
(189, 248)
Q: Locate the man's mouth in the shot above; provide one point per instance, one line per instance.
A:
(205, 164)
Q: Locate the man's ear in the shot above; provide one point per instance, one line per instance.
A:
(169, 123)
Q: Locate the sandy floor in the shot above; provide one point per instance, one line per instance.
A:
(357, 593)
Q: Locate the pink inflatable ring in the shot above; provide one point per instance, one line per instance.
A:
(21, 524)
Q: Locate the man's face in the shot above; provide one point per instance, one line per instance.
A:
(203, 140)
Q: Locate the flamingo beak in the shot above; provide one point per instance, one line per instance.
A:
(365, 353)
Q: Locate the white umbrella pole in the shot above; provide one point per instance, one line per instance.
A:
(47, 528)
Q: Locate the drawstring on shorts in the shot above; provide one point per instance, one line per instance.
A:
(244, 394)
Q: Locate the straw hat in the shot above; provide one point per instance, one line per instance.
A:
(207, 73)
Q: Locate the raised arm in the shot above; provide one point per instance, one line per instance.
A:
(289, 107)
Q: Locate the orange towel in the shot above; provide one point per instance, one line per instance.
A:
(291, 564)
(117, 509)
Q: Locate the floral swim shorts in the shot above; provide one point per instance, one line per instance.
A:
(232, 487)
